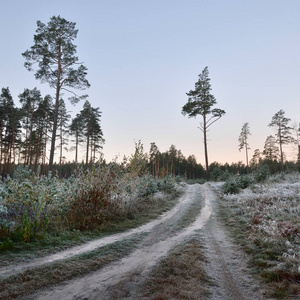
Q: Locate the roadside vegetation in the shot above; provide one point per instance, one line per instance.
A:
(46, 213)
(263, 213)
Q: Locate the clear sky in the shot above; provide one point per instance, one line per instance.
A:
(144, 55)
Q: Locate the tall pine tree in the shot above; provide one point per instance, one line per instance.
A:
(58, 65)
(201, 102)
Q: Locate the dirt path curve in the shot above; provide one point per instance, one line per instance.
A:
(119, 280)
(104, 283)
(180, 207)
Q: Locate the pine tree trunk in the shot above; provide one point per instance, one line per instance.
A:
(247, 158)
(55, 117)
(205, 148)
(87, 151)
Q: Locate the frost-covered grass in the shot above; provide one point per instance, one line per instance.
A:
(34, 206)
(266, 218)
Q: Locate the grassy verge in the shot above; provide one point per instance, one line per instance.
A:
(262, 220)
(179, 276)
(28, 282)
(56, 242)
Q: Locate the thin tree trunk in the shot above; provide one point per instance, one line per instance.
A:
(247, 158)
(87, 151)
(55, 110)
(205, 148)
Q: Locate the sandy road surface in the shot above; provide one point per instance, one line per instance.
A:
(226, 263)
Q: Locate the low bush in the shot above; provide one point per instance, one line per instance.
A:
(168, 185)
(32, 203)
(147, 186)
(262, 173)
(231, 187)
(97, 199)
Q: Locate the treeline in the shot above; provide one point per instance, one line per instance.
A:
(25, 132)
(273, 155)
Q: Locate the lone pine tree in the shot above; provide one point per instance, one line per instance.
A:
(201, 102)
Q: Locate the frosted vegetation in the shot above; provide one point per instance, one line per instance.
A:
(32, 205)
(269, 212)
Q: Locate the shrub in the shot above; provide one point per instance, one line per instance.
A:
(262, 174)
(231, 187)
(97, 198)
(243, 181)
(147, 186)
(179, 179)
(225, 175)
(33, 202)
(168, 185)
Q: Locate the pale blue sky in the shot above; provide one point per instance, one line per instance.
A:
(143, 56)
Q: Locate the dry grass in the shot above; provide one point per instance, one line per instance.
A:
(180, 276)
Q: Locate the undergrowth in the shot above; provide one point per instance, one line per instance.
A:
(34, 207)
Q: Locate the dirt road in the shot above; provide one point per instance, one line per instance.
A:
(227, 265)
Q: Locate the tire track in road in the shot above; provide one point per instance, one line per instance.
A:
(227, 263)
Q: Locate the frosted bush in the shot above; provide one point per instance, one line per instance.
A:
(34, 202)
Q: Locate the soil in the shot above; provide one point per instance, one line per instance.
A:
(226, 264)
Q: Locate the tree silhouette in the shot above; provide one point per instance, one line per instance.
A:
(200, 102)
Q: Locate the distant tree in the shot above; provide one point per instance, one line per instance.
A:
(179, 163)
(271, 151)
(296, 128)
(154, 159)
(256, 159)
(138, 161)
(6, 105)
(192, 162)
(90, 117)
(243, 140)
(200, 102)
(283, 132)
(55, 54)
(172, 155)
(76, 131)
(63, 126)
(30, 100)
(44, 117)
(10, 129)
